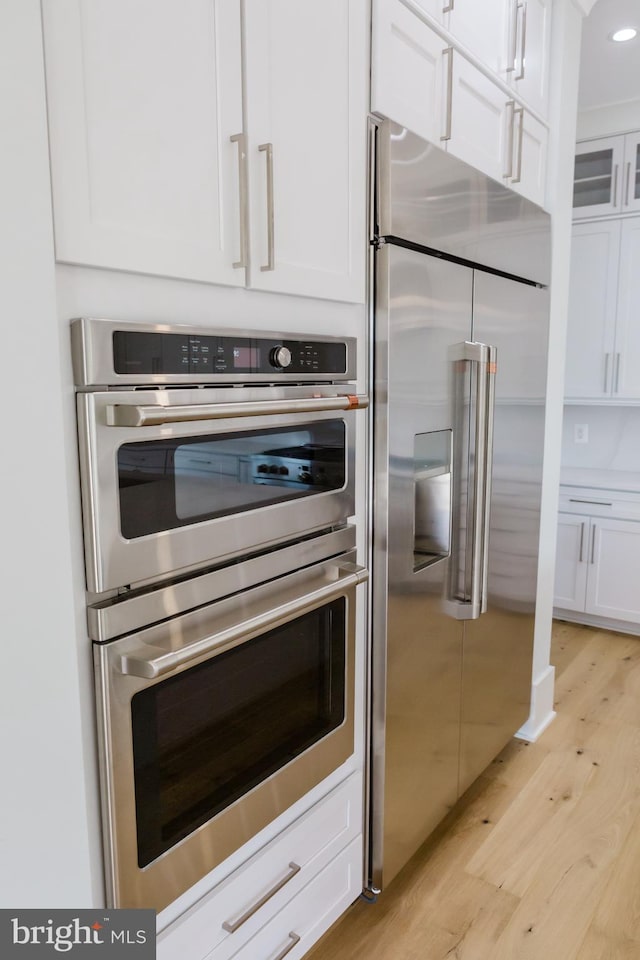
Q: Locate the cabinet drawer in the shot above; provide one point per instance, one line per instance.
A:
(262, 886)
(309, 914)
(600, 503)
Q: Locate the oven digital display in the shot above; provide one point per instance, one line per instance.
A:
(246, 358)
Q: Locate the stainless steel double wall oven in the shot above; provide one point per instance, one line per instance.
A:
(217, 475)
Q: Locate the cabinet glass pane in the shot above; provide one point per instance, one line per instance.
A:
(593, 178)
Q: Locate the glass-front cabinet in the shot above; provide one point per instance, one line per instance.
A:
(607, 176)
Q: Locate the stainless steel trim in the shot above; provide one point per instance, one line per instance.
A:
(449, 6)
(615, 184)
(270, 264)
(582, 525)
(447, 127)
(232, 925)
(108, 619)
(616, 381)
(150, 666)
(241, 140)
(518, 176)
(484, 356)
(511, 107)
(627, 184)
(600, 503)
(606, 372)
(125, 415)
(593, 542)
(523, 40)
(285, 950)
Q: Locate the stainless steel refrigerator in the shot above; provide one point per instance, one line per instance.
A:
(460, 355)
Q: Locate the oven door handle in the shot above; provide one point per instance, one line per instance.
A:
(125, 415)
(344, 576)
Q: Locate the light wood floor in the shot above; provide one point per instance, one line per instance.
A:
(541, 858)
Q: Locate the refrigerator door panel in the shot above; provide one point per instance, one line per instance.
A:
(497, 651)
(423, 309)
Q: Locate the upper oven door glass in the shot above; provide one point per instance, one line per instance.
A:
(169, 483)
(172, 482)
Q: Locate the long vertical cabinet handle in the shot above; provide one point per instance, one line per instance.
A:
(449, 7)
(241, 140)
(447, 125)
(270, 264)
(627, 183)
(470, 606)
(513, 44)
(616, 382)
(523, 40)
(511, 107)
(593, 544)
(607, 357)
(615, 185)
(520, 112)
(581, 557)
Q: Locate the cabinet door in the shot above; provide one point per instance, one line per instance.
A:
(597, 184)
(571, 561)
(626, 364)
(475, 118)
(592, 309)
(306, 100)
(144, 97)
(407, 70)
(527, 154)
(614, 573)
(483, 28)
(528, 69)
(630, 194)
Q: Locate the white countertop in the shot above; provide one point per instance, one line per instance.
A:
(628, 481)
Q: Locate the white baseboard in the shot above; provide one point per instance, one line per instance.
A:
(542, 712)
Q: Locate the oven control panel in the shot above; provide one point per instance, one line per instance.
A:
(172, 353)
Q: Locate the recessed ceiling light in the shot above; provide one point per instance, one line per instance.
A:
(627, 33)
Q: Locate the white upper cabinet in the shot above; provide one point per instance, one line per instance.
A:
(154, 167)
(528, 52)
(407, 70)
(474, 117)
(483, 28)
(607, 176)
(593, 298)
(306, 101)
(144, 97)
(626, 380)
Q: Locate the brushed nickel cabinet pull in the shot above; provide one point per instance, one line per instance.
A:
(241, 140)
(267, 148)
(593, 543)
(518, 176)
(580, 558)
(449, 7)
(232, 925)
(448, 52)
(616, 381)
(523, 40)
(294, 938)
(511, 107)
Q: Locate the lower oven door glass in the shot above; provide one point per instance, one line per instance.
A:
(203, 739)
(213, 723)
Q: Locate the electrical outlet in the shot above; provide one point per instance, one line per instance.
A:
(581, 433)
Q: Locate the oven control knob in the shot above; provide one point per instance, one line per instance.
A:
(280, 357)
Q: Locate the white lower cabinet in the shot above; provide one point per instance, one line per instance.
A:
(295, 887)
(598, 567)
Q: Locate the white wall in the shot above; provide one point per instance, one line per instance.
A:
(614, 438)
(48, 822)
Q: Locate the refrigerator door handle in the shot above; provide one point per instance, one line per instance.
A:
(473, 603)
